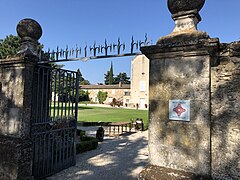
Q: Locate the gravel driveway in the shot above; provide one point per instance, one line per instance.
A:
(116, 158)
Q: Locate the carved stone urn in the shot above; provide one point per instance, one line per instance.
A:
(185, 13)
(30, 32)
(176, 6)
(29, 28)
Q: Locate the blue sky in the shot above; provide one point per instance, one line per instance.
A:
(78, 21)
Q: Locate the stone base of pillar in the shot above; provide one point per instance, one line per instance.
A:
(157, 172)
(15, 158)
(183, 38)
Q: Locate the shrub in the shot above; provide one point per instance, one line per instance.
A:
(80, 133)
(87, 138)
(102, 96)
(87, 143)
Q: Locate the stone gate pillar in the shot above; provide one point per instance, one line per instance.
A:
(16, 79)
(179, 94)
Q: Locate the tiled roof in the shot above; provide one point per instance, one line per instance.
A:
(117, 86)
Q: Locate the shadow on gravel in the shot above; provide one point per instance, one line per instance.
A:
(119, 159)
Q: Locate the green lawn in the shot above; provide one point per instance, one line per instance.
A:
(96, 114)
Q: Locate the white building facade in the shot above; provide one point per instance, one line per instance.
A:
(139, 97)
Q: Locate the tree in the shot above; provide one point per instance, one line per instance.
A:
(106, 77)
(9, 46)
(83, 95)
(102, 96)
(109, 79)
(84, 82)
(122, 77)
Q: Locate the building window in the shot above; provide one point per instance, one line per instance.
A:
(143, 66)
(142, 86)
(113, 91)
(126, 93)
(142, 102)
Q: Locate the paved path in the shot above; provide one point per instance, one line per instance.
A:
(118, 158)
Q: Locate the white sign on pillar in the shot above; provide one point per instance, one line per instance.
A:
(179, 110)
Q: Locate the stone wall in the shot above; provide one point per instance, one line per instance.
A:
(181, 72)
(16, 76)
(15, 158)
(225, 111)
(209, 76)
(113, 91)
(176, 142)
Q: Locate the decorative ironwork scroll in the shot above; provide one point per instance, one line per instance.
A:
(95, 51)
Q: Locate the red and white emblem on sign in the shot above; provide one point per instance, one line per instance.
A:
(179, 110)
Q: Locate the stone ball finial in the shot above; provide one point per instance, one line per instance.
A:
(29, 28)
(176, 6)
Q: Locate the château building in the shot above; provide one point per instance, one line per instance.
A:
(134, 95)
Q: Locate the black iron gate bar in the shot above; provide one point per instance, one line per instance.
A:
(97, 51)
(54, 119)
(63, 94)
(55, 94)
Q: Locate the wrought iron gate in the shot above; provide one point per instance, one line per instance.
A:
(55, 104)
(54, 120)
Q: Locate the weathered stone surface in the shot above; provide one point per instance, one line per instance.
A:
(178, 72)
(30, 32)
(188, 65)
(185, 14)
(156, 172)
(176, 6)
(225, 95)
(211, 140)
(16, 82)
(182, 39)
(172, 143)
(16, 77)
(15, 95)
(29, 28)
(178, 77)
(8, 159)
(15, 158)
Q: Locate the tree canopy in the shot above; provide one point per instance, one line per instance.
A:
(109, 79)
(9, 46)
(121, 77)
(83, 81)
